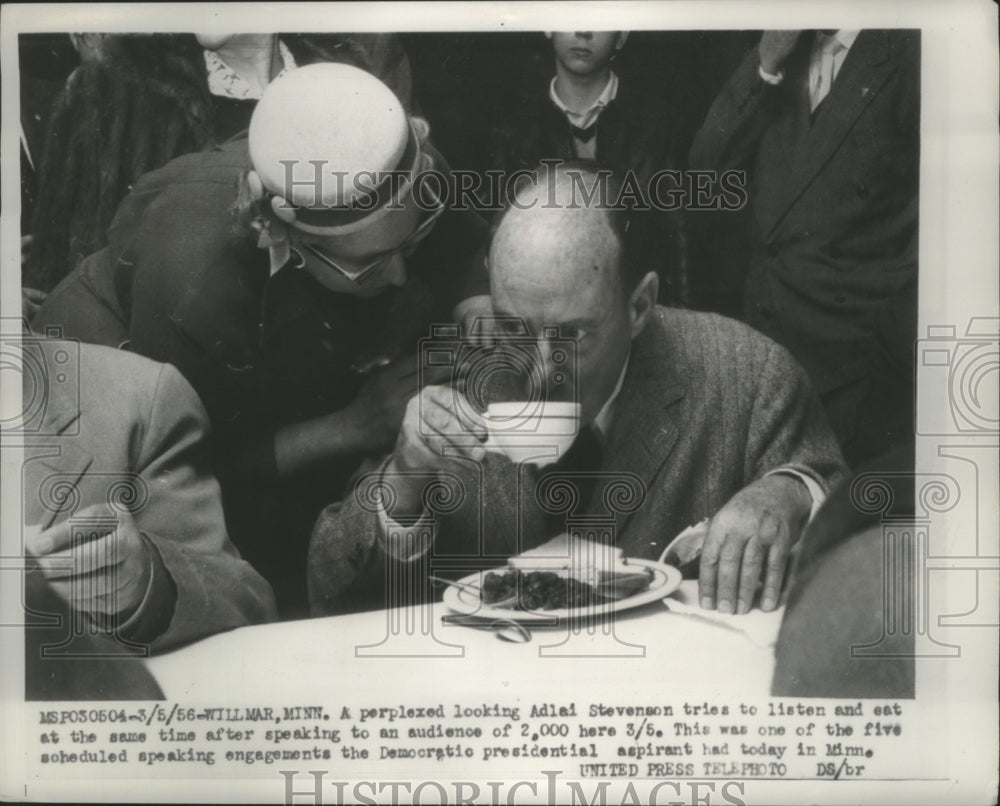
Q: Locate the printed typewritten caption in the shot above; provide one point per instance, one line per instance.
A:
(607, 739)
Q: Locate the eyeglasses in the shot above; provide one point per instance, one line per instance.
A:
(366, 272)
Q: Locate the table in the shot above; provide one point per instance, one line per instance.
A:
(641, 653)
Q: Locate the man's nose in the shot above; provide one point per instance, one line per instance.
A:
(584, 35)
(554, 366)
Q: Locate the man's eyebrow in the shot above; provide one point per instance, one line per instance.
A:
(581, 322)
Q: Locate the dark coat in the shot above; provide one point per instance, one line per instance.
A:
(834, 197)
(851, 617)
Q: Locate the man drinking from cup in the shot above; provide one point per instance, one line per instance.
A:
(711, 419)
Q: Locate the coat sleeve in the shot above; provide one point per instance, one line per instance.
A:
(215, 589)
(360, 558)
(733, 126)
(347, 560)
(787, 426)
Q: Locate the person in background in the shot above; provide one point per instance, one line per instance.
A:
(123, 516)
(587, 111)
(139, 100)
(827, 123)
(711, 418)
(291, 301)
(44, 63)
(850, 622)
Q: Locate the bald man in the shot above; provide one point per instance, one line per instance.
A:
(716, 421)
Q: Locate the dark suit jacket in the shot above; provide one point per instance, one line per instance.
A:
(848, 629)
(121, 427)
(706, 407)
(834, 198)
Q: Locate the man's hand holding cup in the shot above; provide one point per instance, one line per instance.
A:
(439, 428)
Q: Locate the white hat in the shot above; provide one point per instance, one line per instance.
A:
(324, 140)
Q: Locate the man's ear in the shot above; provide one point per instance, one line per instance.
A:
(283, 209)
(622, 39)
(642, 302)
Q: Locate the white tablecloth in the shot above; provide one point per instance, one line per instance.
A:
(640, 652)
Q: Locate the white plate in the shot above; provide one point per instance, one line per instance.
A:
(666, 579)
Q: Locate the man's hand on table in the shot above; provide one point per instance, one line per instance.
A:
(439, 426)
(753, 531)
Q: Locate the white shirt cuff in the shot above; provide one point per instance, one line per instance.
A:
(768, 78)
(404, 542)
(477, 303)
(818, 496)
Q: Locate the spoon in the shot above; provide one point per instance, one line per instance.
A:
(505, 629)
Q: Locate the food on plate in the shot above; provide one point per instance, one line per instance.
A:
(564, 573)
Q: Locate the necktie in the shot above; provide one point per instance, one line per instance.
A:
(584, 135)
(578, 468)
(823, 72)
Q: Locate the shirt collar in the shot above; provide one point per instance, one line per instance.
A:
(589, 115)
(280, 254)
(604, 417)
(225, 82)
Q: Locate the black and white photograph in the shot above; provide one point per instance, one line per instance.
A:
(421, 403)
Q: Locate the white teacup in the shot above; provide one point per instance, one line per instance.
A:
(536, 431)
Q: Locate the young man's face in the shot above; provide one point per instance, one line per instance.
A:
(584, 53)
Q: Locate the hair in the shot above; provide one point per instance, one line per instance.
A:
(630, 223)
(145, 104)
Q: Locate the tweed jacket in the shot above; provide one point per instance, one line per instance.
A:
(706, 407)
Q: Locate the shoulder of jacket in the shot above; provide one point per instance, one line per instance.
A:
(221, 165)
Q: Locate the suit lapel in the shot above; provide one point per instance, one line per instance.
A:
(53, 463)
(866, 68)
(644, 431)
